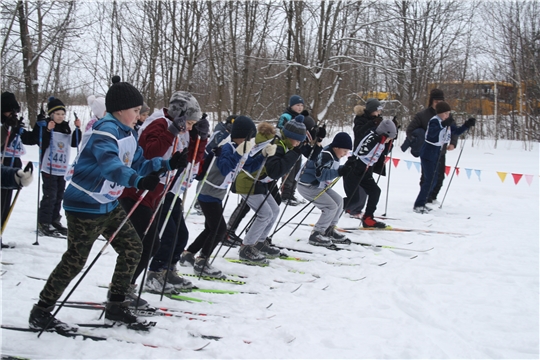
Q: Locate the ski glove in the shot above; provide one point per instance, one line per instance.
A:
(269, 150)
(179, 160)
(321, 133)
(203, 127)
(447, 122)
(471, 122)
(23, 178)
(149, 182)
(244, 147)
(178, 125)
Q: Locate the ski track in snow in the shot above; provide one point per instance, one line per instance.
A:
(472, 296)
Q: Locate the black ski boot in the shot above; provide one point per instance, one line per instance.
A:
(119, 312)
(42, 317)
(59, 227)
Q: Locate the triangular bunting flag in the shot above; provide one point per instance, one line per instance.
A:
(457, 171)
(502, 175)
(529, 179)
(447, 170)
(417, 165)
(478, 174)
(409, 163)
(516, 177)
(468, 171)
(387, 159)
(395, 161)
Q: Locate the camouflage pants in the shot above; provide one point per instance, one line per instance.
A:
(82, 233)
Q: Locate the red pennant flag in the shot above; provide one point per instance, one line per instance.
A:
(516, 177)
(386, 159)
(447, 170)
(457, 171)
(395, 161)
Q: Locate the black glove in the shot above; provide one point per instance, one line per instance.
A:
(11, 120)
(178, 125)
(217, 151)
(41, 118)
(447, 122)
(149, 182)
(471, 122)
(179, 160)
(321, 133)
(203, 127)
(348, 167)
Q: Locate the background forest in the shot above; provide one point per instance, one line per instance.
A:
(249, 57)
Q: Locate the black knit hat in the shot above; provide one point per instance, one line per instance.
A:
(295, 129)
(243, 127)
(55, 104)
(9, 103)
(342, 140)
(122, 96)
(442, 107)
(435, 94)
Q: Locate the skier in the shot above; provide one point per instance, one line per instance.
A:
(439, 131)
(314, 185)
(55, 158)
(109, 161)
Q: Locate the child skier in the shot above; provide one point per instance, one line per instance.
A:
(315, 183)
(109, 161)
(439, 131)
(229, 158)
(366, 154)
(56, 144)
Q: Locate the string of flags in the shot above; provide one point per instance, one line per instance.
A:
(502, 175)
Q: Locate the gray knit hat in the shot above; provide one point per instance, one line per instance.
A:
(295, 129)
(373, 105)
(145, 108)
(387, 128)
(184, 102)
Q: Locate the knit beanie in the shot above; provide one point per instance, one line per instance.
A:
(372, 105)
(295, 99)
(387, 128)
(229, 121)
(183, 103)
(243, 127)
(309, 122)
(9, 103)
(55, 104)
(97, 105)
(295, 129)
(145, 108)
(435, 94)
(342, 140)
(122, 96)
(442, 107)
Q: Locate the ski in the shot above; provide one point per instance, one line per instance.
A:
(245, 262)
(213, 278)
(367, 245)
(55, 236)
(77, 334)
(186, 298)
(389, 228)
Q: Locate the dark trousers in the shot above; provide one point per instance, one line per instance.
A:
(7, 194)
(53, 194)
(212, 233)
(140, 219)
(365, 179)
(289, 187)
(428, 183)
(356, 195)
(81, 236)
(171, 241)
(441, 168)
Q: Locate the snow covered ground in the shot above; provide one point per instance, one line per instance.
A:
(475, 295)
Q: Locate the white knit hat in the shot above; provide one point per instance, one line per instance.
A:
(97, 105)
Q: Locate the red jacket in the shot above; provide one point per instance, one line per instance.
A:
(156, 140)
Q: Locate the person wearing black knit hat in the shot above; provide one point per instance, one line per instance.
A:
(315, 185)
(57, 139)
(416, 133)
(439, 130)
(109, 161)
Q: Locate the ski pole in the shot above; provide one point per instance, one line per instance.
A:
(191, 170)
(141, 197)
(453, 172)
(388, 179)
(200, 188)
(302, 221)
(77, 132)
(30, 167)
(39, 174)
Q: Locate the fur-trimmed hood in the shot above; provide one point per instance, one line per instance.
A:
(359, 109)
